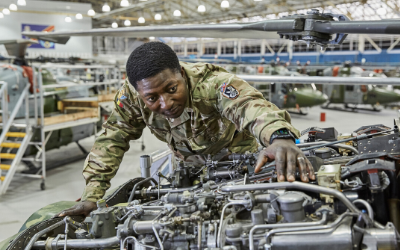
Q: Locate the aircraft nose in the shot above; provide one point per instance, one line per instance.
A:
(320, 99)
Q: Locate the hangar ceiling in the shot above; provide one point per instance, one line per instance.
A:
(238, 10)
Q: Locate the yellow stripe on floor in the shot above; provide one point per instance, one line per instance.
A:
(7, 156)
(15, 134)
(2, 178)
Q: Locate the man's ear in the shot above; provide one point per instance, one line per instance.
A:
(183, 73)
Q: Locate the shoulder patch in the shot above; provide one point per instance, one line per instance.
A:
(229, 91)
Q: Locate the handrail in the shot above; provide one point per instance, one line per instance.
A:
(4, 101)
(14, 113)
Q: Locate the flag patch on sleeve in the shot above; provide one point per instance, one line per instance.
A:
(119, 103)
(229, 91)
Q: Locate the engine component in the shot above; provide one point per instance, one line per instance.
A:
(223, 205)
(329, 176)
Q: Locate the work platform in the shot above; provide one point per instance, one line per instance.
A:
(18, 139)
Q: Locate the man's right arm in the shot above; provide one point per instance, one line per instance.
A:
(124, 124)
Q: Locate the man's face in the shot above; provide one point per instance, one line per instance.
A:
(165, 93)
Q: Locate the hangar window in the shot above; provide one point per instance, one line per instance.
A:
(251, 46)
(349, 87)
(210, 48)
(227, 47)
(192, 48)
(178, 48)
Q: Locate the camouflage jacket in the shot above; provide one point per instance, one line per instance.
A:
(223, 112)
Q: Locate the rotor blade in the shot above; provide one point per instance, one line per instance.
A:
(233, 30)
(389, 26)
(330, 80)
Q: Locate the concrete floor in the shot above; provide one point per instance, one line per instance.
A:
(66, 183)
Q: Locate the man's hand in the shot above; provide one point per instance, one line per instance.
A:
(82, 208)
(286, 153)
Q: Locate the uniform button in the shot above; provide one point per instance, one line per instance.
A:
(213, 139)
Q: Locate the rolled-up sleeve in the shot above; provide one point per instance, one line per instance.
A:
(247, 109)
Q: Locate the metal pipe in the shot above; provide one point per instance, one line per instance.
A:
(199, 232)
(80, 243)
(321, 227)
(341, 145)
(137, 184)
(44, 231)
(293, 185)
(367, 206)
(155, 231)
(145, 165)
(222, 218)
(284, 225)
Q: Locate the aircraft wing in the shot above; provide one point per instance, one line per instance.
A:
(330, 80)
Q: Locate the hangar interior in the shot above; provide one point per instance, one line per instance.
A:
(62, 68)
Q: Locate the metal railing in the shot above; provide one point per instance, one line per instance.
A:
(4, 101)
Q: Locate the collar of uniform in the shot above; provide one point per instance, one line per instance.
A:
(185, 116)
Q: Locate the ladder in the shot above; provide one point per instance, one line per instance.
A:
(12, 141)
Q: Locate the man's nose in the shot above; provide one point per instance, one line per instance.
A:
(166, 103)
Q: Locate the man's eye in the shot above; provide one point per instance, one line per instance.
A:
(173, 89)
(151, 99)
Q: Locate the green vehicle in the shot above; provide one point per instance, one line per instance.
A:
(290, 96)
(353, 95)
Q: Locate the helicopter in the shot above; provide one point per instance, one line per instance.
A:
(19, 74)
(290, 96)
(353, 95)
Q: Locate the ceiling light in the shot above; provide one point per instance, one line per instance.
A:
(6, 11)
(114, 25)
(141, 20)
(13, 7)
(91, 12)
(124, 3)
(78, 16)
(127, 23)
(225, 4)
(21, 2)
(201, 8)
(106, 8)
(68, 19)
(381, 11)
(157, 16)
(177, 13)
(152, 38)
(1, 15)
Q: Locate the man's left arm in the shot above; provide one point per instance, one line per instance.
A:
(247, 109)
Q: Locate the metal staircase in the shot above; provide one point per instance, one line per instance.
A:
(12, 144)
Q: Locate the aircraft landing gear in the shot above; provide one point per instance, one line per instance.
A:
(42, 185)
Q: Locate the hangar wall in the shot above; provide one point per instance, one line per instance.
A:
(49, 13)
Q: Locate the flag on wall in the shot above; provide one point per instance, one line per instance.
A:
(36, 27)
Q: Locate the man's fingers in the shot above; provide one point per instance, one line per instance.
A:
(261, 161)
(310, 169)
(302, 168)
(291, 166)
(280, 160)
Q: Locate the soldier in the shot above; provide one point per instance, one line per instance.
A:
(198, 110)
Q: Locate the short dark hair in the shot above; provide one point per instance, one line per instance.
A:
(149, 59)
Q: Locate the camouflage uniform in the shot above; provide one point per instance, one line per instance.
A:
(222, 112)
